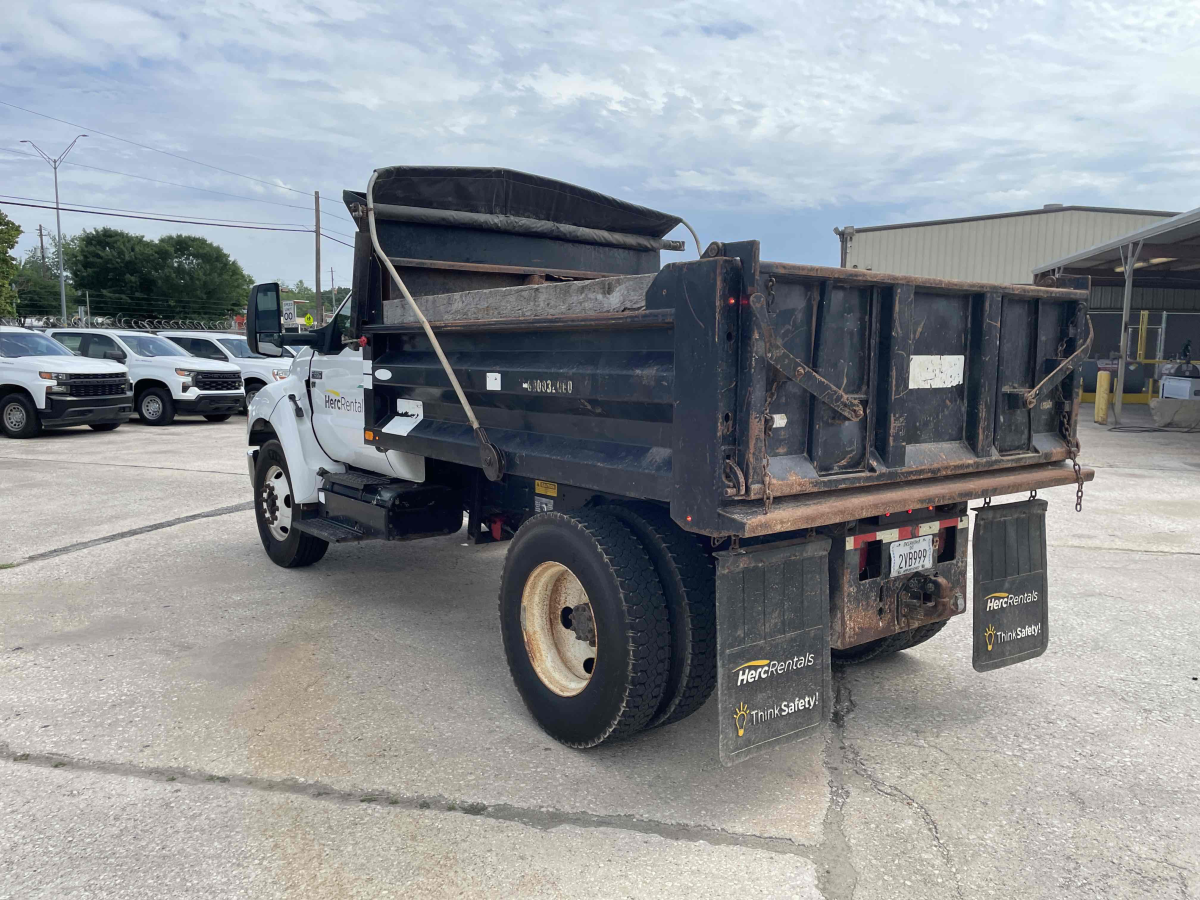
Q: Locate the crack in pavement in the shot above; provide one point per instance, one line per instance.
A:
(836, 876)
(541, 819)
(133, 532)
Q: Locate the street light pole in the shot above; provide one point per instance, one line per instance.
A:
(54, 163)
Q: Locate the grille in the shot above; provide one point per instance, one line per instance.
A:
(97, 385)
(218, 381)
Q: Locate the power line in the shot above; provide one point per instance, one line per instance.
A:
(153, 149)
(154, 213)
(189, 187)
(92, 212)
(335, 240)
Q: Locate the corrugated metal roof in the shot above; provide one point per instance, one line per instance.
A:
(1181, 230)
(999, 248)
(1045, 210)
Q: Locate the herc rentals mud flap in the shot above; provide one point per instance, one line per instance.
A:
(772, 645)
(1011, 622)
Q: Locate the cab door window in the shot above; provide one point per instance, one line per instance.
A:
(201, 347)
(69, 340)
(96, 345)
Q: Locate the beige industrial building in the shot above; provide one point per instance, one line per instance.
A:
(1010, 247)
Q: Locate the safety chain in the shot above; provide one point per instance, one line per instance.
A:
(1072, 442)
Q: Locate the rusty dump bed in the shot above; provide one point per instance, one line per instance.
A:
(754, 397)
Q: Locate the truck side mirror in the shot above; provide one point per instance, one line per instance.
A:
(264, 325)
(114, 355)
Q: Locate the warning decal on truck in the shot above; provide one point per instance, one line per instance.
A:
(772, 646)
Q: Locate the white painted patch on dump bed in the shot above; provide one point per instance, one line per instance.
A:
(935, 371)
(409, 414)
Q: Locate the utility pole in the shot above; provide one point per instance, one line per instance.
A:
(42, 244)
(54, 164)
(332, 292)
(317, 231)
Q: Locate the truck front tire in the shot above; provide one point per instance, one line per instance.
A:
(19, 417)
(689, 586)
(287, 545)
(155, 406)
(585, 627)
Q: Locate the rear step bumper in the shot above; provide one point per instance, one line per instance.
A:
(826, 507)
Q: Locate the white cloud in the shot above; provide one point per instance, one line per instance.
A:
(893, 109)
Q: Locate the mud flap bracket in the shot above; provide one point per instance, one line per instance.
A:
(773, 684)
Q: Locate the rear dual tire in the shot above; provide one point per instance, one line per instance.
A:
(558, 564)
(886, 646)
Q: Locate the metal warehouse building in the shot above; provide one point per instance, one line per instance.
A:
(1009, 247)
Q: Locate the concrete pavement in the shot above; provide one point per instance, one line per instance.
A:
(224, 727)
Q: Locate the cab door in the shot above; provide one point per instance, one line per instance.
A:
(337, 387)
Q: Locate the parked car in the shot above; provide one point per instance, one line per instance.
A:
(166, 379)
(43, 385)
(257, 370)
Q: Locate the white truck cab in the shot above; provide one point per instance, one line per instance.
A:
(43, 385)
(166, 379)
(257, 370)
(316, 412)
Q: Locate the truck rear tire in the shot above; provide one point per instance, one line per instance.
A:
(893, 643)
(155, 406)
(585, 627)
(688, 582)
(287, 545)
(19, 417)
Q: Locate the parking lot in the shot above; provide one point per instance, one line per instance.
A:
(179, 717)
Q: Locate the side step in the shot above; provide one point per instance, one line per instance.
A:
(355, 478)
(335, 531)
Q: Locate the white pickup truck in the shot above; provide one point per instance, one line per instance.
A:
(43, 385)
(166, 379)
(257, 370)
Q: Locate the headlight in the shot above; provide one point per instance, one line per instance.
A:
(60, 387)
(280, 374)
(186, 373)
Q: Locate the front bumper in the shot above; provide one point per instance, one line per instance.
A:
(212, 404)
(66, 411)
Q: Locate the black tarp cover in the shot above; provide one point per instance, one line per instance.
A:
(506, 192)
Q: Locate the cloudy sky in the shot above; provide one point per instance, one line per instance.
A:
(771, 120)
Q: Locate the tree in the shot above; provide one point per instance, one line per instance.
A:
(10, 231)
(37, 285)
(177, 276)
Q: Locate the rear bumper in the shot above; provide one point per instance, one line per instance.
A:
(210, 404)
(826, 507)
(66, 411)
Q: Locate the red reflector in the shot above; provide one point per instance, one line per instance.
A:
(732, 300)
(887, 514)
(689, 518)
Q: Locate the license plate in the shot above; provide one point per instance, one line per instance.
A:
(912, 555)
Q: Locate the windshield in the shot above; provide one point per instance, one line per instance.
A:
(29, 343)
(239, 348)
(152, 345)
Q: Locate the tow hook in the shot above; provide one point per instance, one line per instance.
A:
(923, 594)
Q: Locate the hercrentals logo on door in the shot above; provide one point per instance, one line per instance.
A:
(335, 401)
(1002, 600)
(757, 669)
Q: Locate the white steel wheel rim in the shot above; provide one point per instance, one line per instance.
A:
(562, 661)
(152, 407)
(277, 503)
(15, 416)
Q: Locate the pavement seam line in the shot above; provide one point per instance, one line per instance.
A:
(90, 462)
(541, 819)
(134, 532)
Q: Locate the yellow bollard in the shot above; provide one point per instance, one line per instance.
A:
(1103, 382)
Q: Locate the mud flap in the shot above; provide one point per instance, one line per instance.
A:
(773, 686)
(1011, 622)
